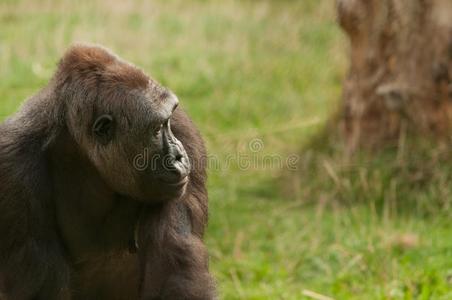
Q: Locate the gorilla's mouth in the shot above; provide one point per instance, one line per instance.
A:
(179, 183)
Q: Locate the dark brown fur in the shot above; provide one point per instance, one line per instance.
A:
(71, 211)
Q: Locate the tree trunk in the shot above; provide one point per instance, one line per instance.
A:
(401, 69)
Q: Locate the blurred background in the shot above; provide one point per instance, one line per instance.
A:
(325, 180)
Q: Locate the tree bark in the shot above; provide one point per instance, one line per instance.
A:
(400, 71)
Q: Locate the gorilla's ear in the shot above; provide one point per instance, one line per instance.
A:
(104, 129)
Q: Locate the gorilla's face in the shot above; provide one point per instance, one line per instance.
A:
(132, 145)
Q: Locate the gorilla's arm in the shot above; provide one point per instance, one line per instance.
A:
(175, 260)
(31, 263)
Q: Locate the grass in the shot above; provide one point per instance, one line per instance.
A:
(264, 74)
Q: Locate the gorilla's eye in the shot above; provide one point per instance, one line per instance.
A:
(157, 129)
(103, 129)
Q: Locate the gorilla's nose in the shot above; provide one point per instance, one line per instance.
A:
(176, 162)
(176, 174)
(181, 167)
(177, 166)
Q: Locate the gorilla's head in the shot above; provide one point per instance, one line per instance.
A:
(121, 121)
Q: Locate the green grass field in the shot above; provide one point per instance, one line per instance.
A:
(261, 78)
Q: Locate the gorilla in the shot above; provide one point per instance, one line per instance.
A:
(102, 189)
